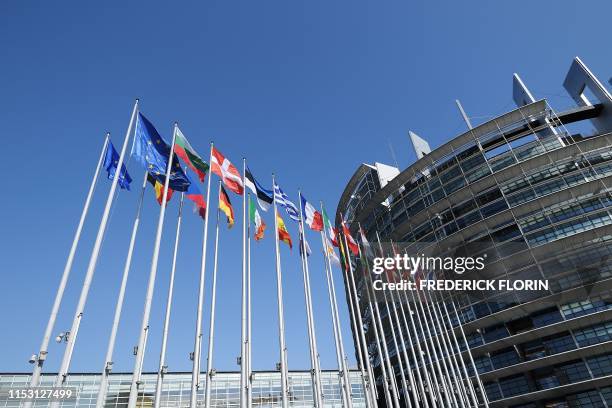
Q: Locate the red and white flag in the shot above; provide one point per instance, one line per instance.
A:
(227, 171)
(311, 216)
(352, 244)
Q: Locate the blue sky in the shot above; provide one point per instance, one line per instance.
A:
(308, 90)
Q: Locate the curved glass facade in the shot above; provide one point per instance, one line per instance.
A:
(538, 201)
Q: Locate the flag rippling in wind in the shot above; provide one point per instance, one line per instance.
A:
(264, 196)
(193, 193)
(283, 200)
(184, 150)
(159, 189)
(311, 216)
(283, 234)
(111, 160)
(331, 253)
(227, 171)
(225, 205)
(331, 231)
(352, 244)
(152, 152)
(256, 219)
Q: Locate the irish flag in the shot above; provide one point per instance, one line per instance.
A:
(311, 216)
(255, 218)
(283, 234)
(189, 155)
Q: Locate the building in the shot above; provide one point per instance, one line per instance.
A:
(535, 197)
(177, 388)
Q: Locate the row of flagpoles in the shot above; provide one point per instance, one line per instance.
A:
(164, 172)
(434, 374)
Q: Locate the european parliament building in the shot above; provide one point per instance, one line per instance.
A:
(177, 389)
(532, 193)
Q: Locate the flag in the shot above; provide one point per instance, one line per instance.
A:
(331, 253)
(264, 196)
(331, 231)
(304, 242)
(159, 189)
(256, 219)
(111, 159)
(227, 171)
(311, 216)
(283, 234)
(283, 200)
(352, 244)
(153, 153)
(193, 193)
(226, 206)
(189, 155)
(366, 243)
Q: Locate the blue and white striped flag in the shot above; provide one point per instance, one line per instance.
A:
(281, 199)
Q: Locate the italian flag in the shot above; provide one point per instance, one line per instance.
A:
(256, 219)
(189, 155)
(331, 231)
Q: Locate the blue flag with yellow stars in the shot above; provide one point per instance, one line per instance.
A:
(153, 153)
(111, 159)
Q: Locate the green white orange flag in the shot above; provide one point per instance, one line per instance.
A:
(256, 219)
(184, 150)
(331, 231)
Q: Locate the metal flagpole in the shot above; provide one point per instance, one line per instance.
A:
(452, 353)
(343, 373)
(360, 341)
(144, 328)
(249, 341)
(433, 391)
(385, 360)
(161, 371)
(314, 354)
(469, 351)
(108, 362)
(281, 318)
(243, 317)
(93, 260)
(213, 303)
(197, 347)
(42, 354)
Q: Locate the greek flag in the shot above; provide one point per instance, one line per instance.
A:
(281, 199)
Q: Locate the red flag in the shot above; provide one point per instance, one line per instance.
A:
(227, 171)
(352, 244)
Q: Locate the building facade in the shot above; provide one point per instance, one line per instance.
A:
(535, 197)
(177, 389)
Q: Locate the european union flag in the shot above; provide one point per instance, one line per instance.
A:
(111, 159)
(153, 153)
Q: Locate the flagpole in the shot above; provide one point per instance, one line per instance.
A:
(315, 373)
(108, 362)
(197, 348)
(161, 371)
(144, 328)
(213, 305)
(42, 354)
(249, 341)
(281, 318)
(393, 397)
(343, 372)
(243, 318)
(364, 260)
(93, 260)
(443, 329)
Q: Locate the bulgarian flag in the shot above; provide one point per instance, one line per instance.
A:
(283, 234)
(311, 216)
(184, 150)
(352, 244)
(256, 219)
(331, 231)
(227, 171)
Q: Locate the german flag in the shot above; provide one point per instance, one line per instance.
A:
(283, 234)
(225, 205)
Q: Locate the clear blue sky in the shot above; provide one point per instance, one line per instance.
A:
(307, 90)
